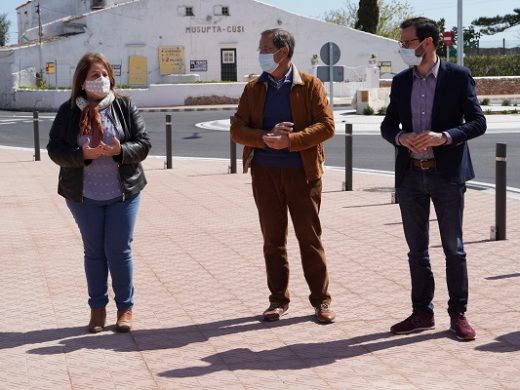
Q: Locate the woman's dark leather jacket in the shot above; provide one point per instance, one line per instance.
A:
(64, 149)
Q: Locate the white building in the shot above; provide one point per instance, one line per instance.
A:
(158, 42)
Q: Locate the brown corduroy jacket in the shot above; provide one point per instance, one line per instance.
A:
(312, 117)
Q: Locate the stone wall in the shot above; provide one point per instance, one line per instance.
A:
(487, 86)
(492, 86)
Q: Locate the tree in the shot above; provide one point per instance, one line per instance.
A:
(471, 39)
(497, 23)
(367, 16)
(4, 28)
(391, 14)
(343, 16)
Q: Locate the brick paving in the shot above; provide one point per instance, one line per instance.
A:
(200, 287)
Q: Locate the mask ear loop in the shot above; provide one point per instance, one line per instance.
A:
(420, 44)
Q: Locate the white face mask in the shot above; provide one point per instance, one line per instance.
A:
(99, 86)
(267, 62)
(409, 57)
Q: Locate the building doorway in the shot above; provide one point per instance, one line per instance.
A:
(228, 64)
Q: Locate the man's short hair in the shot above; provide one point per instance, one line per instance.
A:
(281, 38)
(424, 27)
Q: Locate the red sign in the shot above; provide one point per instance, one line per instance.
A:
(447, 38)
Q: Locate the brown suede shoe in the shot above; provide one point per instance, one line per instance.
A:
(324, 313)
(124, 321)
(275, 311)
(97, 320)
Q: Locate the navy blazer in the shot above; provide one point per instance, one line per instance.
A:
(456, 110)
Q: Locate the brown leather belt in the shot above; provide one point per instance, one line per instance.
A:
(422, 164)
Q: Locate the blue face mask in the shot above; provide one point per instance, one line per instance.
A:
(410, 57)
(267, 62)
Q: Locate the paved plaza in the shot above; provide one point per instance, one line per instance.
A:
(200, 289)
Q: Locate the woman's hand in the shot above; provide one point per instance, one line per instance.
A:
(91, 153)
(101, 150)
(113, 150)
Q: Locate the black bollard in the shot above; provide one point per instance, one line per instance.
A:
(500, 192)
(232, 151)
(168, 141)
(36, 128)
(347, 186)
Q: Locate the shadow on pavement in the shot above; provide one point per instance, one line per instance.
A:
(507, 343)
(137, 340)
(300, 356)
(506, 276)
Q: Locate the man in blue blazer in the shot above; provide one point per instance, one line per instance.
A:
(433, 112)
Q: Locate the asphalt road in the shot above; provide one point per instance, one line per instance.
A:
(370, 151)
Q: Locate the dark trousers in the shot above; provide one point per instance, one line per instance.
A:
(277, 190)
(416, 191)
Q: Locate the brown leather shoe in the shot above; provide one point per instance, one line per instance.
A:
(324, 313)
(97, 320)
(124, 321)
(275, 311)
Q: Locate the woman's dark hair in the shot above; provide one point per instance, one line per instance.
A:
(424, 28)
(80, 74)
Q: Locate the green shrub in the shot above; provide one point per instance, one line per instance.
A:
(495, 65)
(368, 111)
(381, 111)
(484, 102)
(506, 102)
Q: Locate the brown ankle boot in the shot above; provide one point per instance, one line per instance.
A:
(97, 320)
(124, 321)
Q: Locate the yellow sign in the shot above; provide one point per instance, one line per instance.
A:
(137, 71)
(171, 60)
(50, 68)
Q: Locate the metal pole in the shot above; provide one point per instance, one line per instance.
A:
(36, 128)
(460, 35)
(500, 189)
(232, 151)
(168, 141)
(331, 81)
(347, 186)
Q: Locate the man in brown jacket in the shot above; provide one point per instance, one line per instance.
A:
(283, 118)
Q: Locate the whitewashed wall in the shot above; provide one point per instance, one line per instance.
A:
(140, 27)
(156, 96)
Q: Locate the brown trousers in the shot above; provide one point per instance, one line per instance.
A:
(275, 191)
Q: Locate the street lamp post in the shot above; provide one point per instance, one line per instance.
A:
(460, 35)
(40, 34)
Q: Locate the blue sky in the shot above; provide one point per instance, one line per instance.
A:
(432, 9)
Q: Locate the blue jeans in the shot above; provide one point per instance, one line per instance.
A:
(107, 228)
(414, 195)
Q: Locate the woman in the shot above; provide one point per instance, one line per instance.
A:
(98, 139)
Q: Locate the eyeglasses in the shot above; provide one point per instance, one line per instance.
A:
(406, 44)
(269, 50)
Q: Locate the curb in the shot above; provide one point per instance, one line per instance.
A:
(206, 108)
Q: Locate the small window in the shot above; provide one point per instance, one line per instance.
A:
(189, 11)
(228, 56)
(225, 11)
